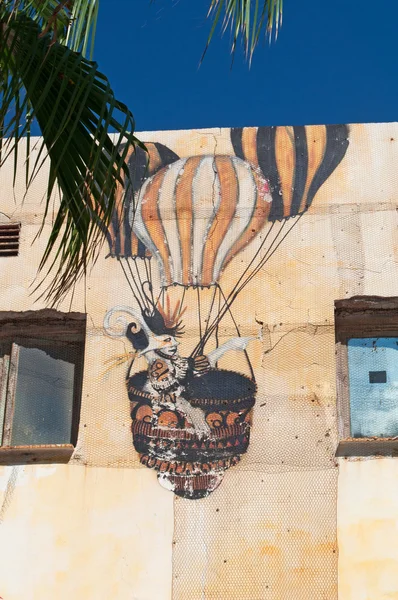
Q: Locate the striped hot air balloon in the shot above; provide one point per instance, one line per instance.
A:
(196, 214)
(122, 240)
(295, 160)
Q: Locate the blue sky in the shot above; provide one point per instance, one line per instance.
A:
(333, 62)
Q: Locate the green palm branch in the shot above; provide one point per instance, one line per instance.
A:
(45, 75)
(247, 19)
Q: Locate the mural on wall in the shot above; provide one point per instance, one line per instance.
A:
(192, 216)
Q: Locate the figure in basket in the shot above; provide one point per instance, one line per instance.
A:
(192, 216)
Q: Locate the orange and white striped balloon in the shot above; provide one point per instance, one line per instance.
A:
(196, 214)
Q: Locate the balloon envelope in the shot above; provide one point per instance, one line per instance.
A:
(122, 240)
(196, 214)
(295, 160)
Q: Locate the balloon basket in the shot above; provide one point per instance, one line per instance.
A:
(189, 465)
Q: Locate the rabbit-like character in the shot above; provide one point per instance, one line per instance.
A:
(155, 339)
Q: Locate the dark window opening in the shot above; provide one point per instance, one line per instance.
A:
(377, 377)
(41, 373)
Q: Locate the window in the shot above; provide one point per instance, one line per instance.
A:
(41, 369)
(367, 375)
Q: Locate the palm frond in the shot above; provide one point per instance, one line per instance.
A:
(71, 22)
(76, 111)
(247, 19)
(81, 34)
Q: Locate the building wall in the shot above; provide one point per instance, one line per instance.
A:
(290, 520)
(78, 532)
(367, 525)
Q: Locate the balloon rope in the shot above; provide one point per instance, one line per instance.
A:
(149, 277)
(129, 283)
(138, 272)
(240, 284)
(266, 258)
(223, 311)
(211, 309)
(150, 269)
(182, 302)
(262, 261)
(241, 278)
(132, 280)
(238, 288)
(238, 332)
(199, 315)
(218, 325)
(138, 287)
(158, 298)
(202, 346)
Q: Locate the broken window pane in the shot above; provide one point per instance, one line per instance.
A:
(373, 385)
(43, 398)
(4, 368)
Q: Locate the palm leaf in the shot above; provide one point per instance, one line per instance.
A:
(247, 19)
(76, 110)
(72, 22)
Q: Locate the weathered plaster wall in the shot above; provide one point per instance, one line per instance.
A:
(269, 531)
(262, 535)
(73, 532)
(367, 529)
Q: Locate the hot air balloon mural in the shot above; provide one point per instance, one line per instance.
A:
(295, 160)
(198, 213)
(191, 218)
(124, 245)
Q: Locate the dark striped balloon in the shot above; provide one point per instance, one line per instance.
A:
(121, 238)
(295, 160)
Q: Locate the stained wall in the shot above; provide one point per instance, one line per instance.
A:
(367, 519)
(288, 521)
(84, 533)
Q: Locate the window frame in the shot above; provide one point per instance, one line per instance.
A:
(360, 317)
(62, 328)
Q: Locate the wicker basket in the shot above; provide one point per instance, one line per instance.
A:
(189, 465)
